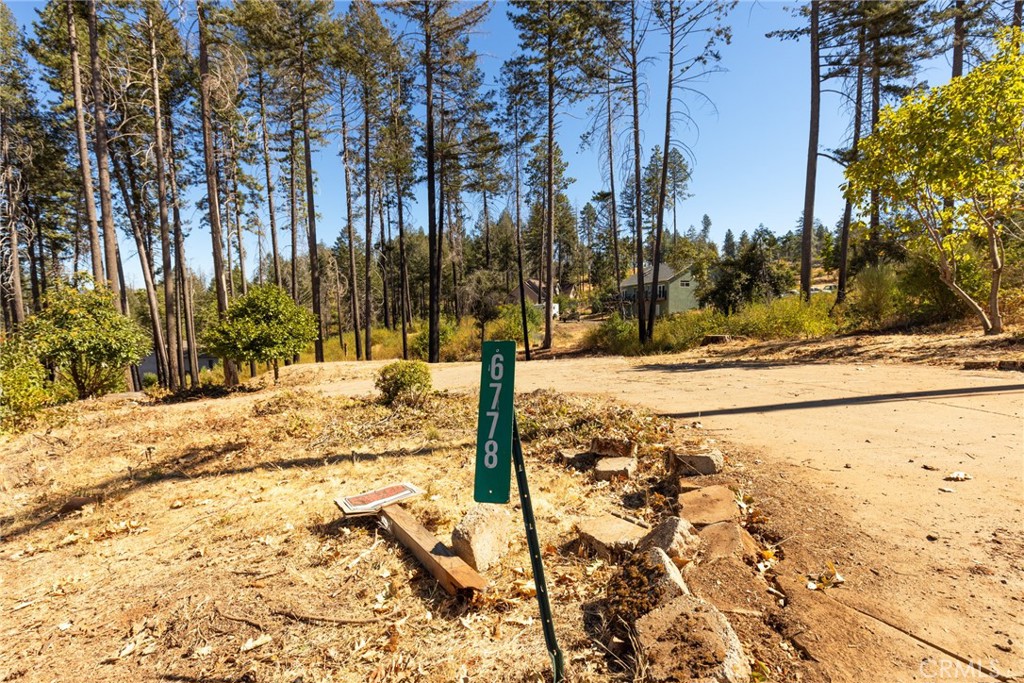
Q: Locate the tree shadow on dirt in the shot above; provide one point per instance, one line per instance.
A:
(867, 399)
(193, 463)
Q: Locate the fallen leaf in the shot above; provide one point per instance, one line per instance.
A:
(945, 490)
(252, 644)
(958, 476)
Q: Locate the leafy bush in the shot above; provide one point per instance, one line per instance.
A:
(615, 335)
(510, 322)
(788, 318)
(23, 385)
(403, 380)
(80, 334)
(419, 346)
(264, 325)
(875, 294)
(149, 380)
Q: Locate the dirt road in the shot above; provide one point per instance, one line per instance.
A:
(944, 561)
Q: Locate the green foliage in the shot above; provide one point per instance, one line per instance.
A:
(262, 326)
(149, 380)
(757, 273)
(81, 335)
(403, 380)
(875, 294)
(787, 318)
(509, 324)
(24, 389)
(446, 332)
(948, 163)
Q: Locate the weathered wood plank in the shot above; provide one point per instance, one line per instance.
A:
(454, 575)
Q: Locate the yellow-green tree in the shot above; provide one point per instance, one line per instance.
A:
(964, 142)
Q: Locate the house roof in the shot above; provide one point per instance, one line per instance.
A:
(665, 274)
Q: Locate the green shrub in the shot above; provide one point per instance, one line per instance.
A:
(403, 380)
(419, 345)
(264, 325)
(149, 380)
(788, 318)
(615, 335)
(82, 336)
(875, 294)
(509, 324)
(24, 389)
(686, 330)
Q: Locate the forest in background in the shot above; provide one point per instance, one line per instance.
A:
(116, 116)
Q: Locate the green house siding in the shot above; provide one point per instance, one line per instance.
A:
(680, 294)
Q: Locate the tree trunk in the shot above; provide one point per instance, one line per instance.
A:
(403, 283)
(85, 165)
(212, 191)
(102, 163)
(135, 219)
(995, 253)
(314, 256)
(611, 187)
(368, 248)
(663, 180)
(352, 287)
(1018, 13)
(165, 230)
(12, 269)
(519, 240)
(265, 135)
(236, 206)
(549, 214)
(874, 221)
(812, 159)
(637, 189)
(487, 234)
(858, 119)
(433, 234)
(179, 258)
(383, 260)
(293, 204)
(959, 39)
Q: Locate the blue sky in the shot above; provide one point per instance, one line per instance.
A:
(747, 151)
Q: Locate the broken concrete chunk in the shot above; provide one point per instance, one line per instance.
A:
(689, 639)
(483, 536)
(709, 505)
(676, 537)
(671, 583)
(728, 539)
(686, 462)
(613, 447)
(608, 469)
(609, 537)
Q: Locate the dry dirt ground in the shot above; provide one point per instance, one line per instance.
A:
(213, 551)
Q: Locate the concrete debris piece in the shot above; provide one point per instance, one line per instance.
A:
(728, 539)
(689, 639)
(686, 485)
(671, 584)
(608, 469)
(686, 462)
(709, 505)
(676, 537)
(609, 537)
(613, 447)
(483, 536)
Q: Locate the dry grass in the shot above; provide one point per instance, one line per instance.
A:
(214, 519)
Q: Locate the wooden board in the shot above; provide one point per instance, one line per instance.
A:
(454, 575)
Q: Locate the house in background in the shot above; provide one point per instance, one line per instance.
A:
(677, 291)
(536, 293)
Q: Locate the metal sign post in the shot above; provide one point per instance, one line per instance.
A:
(498, 450)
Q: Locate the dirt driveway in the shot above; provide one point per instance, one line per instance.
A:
(942, 565)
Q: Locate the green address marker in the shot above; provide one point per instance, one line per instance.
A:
(494, 424)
